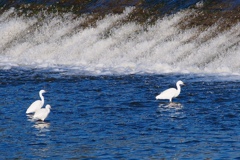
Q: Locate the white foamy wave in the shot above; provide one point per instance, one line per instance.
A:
(114, 47)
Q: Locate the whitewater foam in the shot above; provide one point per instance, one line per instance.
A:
(113, 47)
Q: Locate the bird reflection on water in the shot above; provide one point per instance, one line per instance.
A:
(41, 125)
(173, 110)
(171, 105)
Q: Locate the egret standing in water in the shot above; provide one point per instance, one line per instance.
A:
(42, 113)
(37, 104)
(171, 92)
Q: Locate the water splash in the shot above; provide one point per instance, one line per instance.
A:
(115, 46)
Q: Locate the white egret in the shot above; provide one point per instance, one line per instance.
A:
(42, 113)
(37, 104)
(171, 92)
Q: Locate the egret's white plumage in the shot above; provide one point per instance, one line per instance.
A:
(37, 104)
(171, 92)
(42, 113)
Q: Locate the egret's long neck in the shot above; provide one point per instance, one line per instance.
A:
(42, 98)
(178, 89)
(48, 108)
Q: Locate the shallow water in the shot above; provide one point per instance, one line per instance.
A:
(117, 117)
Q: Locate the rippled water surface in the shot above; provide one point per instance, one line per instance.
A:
(117, 117)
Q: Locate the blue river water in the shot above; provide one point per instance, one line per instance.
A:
(117, 116)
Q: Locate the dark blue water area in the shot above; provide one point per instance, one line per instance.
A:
(117, 117)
